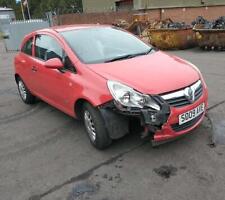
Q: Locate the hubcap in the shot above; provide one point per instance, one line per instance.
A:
(90, 126)
(22, 90)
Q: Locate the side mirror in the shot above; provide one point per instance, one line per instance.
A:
(54, 63)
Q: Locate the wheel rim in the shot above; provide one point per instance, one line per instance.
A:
(90, 126)
(22, 90)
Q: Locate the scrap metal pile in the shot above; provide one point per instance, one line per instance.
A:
(210, 35)
(167, 34)
(169, 24)
(121, 23)
(205, 24)
(137, 27)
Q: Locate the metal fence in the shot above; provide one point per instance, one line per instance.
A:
(14, 32)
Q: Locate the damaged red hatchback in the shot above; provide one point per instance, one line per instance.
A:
(107, 76)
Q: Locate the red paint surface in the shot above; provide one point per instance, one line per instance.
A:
(156, 73)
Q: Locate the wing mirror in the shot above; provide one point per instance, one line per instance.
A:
(54, 63)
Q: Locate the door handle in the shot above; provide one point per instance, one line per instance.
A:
(34, 69)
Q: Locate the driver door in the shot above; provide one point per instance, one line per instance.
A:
(54, 86)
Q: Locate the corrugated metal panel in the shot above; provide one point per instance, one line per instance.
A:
(15, 31)
(10, 13)
(5, 9)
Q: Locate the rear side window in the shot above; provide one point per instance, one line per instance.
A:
(27, 47)
(46, 47)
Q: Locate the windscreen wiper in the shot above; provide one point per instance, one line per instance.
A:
(127, 56)
(120, 58)
(143, 53)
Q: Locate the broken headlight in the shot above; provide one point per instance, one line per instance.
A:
(128, 97)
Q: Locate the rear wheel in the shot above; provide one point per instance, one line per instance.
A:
(25, 94)
(95, 127)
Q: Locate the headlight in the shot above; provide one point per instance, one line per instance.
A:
(128, 97)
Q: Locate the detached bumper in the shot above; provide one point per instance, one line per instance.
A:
(172, 130)
(117, 118)
(161, 125)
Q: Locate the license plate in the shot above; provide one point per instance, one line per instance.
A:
(188, 116)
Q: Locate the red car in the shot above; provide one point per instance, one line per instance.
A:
(107, 77)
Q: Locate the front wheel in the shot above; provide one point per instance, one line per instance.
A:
(25, 94)
(95, 127)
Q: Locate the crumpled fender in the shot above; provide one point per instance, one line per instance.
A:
(117, 125)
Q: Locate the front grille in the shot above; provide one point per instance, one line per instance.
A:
(178, 98)
(178, 102)
(177, 127)
(198, 92)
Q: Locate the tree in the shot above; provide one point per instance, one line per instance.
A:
(12, 4)
(38, 8)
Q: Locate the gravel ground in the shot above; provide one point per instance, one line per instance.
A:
(45, 155)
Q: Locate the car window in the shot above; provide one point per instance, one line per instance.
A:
(27, 47)
(98, 45)
(46, 47)
(68, 65)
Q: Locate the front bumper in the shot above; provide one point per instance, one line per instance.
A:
(171, 129)
(161, 125)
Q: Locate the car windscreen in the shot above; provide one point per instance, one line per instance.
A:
(104, 44)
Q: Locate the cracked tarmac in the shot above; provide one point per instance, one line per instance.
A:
(45, 155)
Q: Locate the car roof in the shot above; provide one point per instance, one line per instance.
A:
(73, 27)
(63, 28)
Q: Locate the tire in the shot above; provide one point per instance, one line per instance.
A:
(25, 94)
(95, 127)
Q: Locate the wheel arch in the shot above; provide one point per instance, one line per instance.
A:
(116, 124)
(78, 106)
(17, 77)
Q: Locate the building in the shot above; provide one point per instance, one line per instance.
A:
(90, 6)
(151, 4)
(7, 13)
